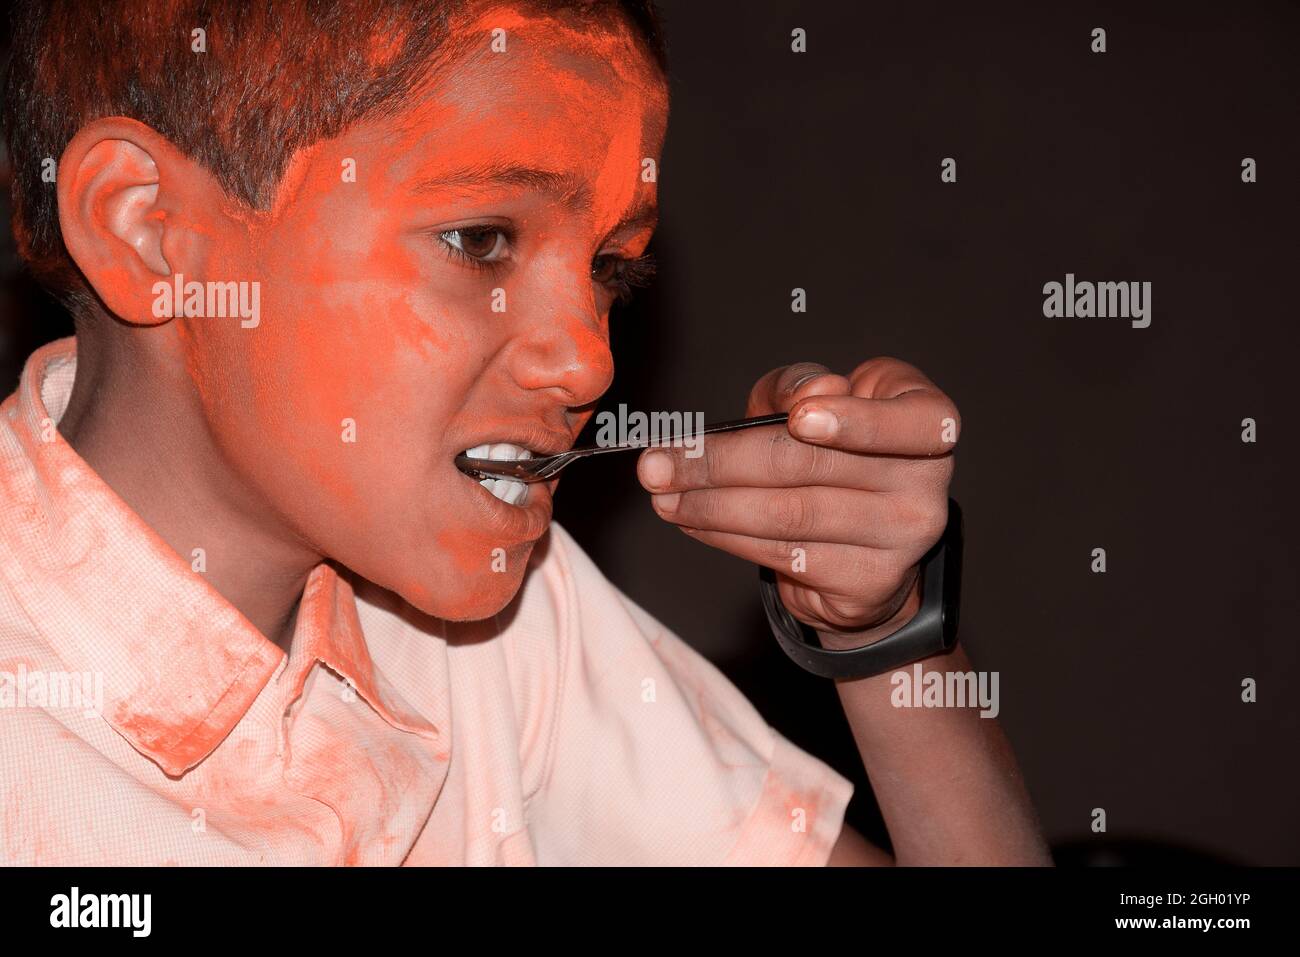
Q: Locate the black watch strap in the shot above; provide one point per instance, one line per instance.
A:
(932, 631)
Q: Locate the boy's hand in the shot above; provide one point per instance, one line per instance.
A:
(842, 503)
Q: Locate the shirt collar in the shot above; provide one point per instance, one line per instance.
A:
(328, 630)
(180, 664)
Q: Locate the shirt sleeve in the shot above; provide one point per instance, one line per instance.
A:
(656, 758)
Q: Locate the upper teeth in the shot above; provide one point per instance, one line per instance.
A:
(500, 452)
(509, 490)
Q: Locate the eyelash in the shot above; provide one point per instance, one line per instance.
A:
(633, 274)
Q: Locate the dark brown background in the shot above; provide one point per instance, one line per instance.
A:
(821, 170)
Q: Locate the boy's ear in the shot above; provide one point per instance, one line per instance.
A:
(130, 209)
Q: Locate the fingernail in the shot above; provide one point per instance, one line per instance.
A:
(816, 423)
(657, 469)
(668, 503)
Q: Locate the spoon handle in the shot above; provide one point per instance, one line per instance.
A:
(729, 426)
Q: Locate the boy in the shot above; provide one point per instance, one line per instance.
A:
(313, 254)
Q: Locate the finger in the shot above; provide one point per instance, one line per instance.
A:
(886, 377)
(842, 570)
(769, 457)
(818, 514)
(781, 388)
(923, 422)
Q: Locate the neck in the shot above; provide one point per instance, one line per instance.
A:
(156, 452)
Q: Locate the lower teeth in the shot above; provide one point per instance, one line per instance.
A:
(510, 492)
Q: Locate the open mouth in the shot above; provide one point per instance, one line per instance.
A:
(507, 490)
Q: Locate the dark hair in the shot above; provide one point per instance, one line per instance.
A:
(276, 77)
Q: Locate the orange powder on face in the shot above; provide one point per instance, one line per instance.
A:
(356, 294)
(610, 57)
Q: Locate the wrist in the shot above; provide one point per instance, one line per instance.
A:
(845, 640)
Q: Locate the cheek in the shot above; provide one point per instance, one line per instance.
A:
(341, 310)
(354, 373)
(293, 398)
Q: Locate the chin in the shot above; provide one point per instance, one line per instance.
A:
(472, 598)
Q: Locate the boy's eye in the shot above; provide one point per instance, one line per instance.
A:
(477, 242)
(622, 275)
(607, 269)
(485, 247)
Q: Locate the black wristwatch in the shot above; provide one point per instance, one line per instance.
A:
(932, 631)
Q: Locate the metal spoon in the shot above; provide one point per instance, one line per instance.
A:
(540, 470)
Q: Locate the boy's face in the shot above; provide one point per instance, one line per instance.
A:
(422, 310)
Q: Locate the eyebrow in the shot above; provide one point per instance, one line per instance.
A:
(568, 188)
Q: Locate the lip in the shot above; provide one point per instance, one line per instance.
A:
(517, 523)
(526, 522)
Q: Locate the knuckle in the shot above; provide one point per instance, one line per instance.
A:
(923, 519)
(820, 463)
(704, 508)
(932, 522)
(931, 476)
(790, 461)
(786, 457)
(790, 513)
(694, 471)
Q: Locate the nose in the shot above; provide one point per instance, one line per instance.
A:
(560, 339)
